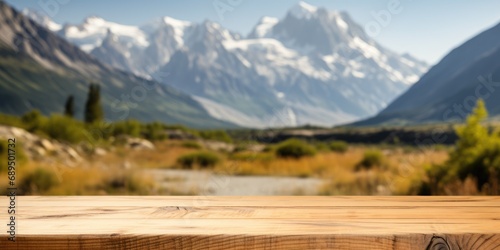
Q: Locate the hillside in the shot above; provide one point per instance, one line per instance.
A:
(448, 92)
(39, 70)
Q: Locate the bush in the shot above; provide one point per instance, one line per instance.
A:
(476, 156)
(65, 129)
(129, 127)
(294, 148)
(191, 144)
(371, 158)
(339, 146)
(201, 159)
(33, 121)
(215, 135)
(128, 183)
(154, 131)
(322, 147)
(11, 120)
(38, 181)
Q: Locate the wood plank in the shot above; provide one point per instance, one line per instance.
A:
(255, 223)
(339, 201)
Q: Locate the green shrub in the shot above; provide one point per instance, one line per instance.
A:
(191, 144)
(215, 135)
(201, 159)
(322, 147)
(294, 148)
(128, 183)
(154, 131)
(38, 181)
(339, 146)
(65, 129)
(371, 158)
(476, 155)
(11, 120)
(129, 127)
(251, 156)
(33, 121)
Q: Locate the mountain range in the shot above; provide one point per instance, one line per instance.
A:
(451, 88)
(313, 66)
(39, 70)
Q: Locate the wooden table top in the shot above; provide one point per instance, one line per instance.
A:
(274, 222)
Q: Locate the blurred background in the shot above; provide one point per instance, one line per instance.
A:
(392, 97)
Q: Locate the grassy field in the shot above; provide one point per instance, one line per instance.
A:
(471, 166)
(120, 172)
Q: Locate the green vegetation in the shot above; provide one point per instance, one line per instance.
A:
(201, 159)
(38, 181)
(125, 183)
(33, 121)
(476, 157)
(294, 148)
(191, 144)
(69, 107)
(215, 135)
(339, 146)
(154, 131)
(129, 127)
(11, 120)
(371, 158)
(65, 129)
(93, 107)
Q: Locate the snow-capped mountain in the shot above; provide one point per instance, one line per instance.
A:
(313, 66)
(43, 70)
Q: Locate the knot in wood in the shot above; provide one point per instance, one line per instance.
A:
(438, 243)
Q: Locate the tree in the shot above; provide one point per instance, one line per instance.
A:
(93, 108)
(476, 155)
(69, 107)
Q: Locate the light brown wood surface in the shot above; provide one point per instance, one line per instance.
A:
(104, 222)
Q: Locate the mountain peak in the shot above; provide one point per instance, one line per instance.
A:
(42, 19)
(94, 20)
(175, 22)
(303, 10)
(263, 27)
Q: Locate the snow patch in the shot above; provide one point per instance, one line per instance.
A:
(341, 23)
(303, 10)
(265, 26)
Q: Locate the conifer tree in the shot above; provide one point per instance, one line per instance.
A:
(69, 107)
(93, 108)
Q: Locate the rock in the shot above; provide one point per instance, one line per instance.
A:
(46, 144)
(100, 152)
(72, 153)
(36, 152)
(41, 149)
(140, 144)
(134, 143)
(218, 146)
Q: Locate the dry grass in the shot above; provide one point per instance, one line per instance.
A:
(315, 166)
(120, 171)
(164, 156)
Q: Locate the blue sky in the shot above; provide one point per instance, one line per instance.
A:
(427, 29)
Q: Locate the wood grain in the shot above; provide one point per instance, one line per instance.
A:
(255, 223)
